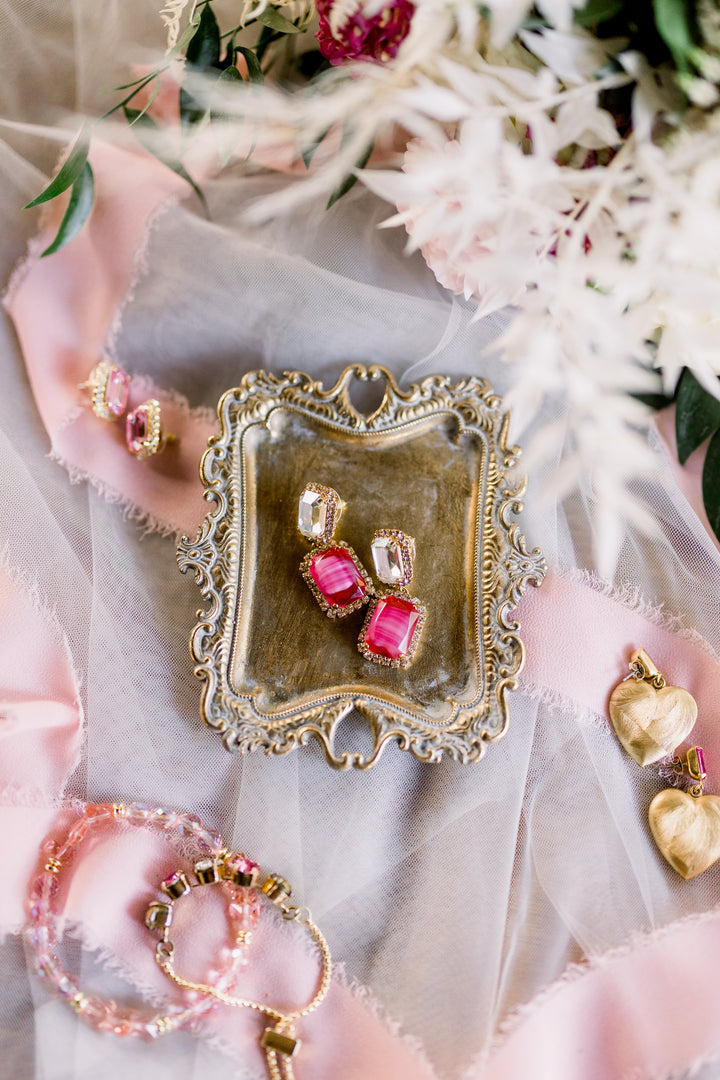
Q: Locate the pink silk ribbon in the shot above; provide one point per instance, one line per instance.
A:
(78, 290)
(40, 737)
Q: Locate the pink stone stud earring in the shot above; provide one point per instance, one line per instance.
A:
(394, 621)
(336, 578)
(144, 431)
(108, 386)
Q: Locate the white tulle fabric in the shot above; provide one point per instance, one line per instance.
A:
(452, 895)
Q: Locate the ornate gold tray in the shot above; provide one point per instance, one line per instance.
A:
(430, 460)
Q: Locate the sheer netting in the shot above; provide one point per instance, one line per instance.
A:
(460, 902)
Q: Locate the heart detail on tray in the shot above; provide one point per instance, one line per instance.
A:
(686, 828)
(650, 723)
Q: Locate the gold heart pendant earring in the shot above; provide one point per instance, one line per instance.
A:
(686, 824)
(650, 718)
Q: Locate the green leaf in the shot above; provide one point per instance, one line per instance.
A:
(673, 26)
(697, 415)
(654, 401)
(597, 11)
(78, 210)
(255, 72)
(203, 50)
(231, 74)
(711, 483)
(155, 140)
(272, 18)
(69, 171)
(191, 112)
(351, 179)
(309, 151)
(265, 40)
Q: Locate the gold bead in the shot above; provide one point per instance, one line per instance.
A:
(53, 865)
(276, 888)
(158, 915)
(206, 871)
(279, 1042)
(175, 886)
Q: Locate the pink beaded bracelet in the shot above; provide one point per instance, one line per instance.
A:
(41, 934)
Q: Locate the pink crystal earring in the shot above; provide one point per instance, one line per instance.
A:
(144, 431)
(394, 622)
(108, 386)
(332, 570)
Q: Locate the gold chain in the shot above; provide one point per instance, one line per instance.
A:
(278, 1038)
(165, 950)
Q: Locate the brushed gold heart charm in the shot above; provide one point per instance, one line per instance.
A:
(650, 718)
(686, 828)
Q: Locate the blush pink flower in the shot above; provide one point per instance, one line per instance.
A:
(347, 33)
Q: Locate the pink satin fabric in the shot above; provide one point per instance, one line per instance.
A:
(579, 642)
(643, 1013)
(63, 308)
(40, 735)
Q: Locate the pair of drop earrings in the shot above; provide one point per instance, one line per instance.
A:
(651, 719)
(341, 585)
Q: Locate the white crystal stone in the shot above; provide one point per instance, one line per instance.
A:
(388, 559)
(312, 514)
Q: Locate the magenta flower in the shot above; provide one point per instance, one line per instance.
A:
(346, 33)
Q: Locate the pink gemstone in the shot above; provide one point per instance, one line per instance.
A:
(337, 576)
(701, 762)
(116, 392)
(391, 627)
(138, 813)
(240, 864)
(42, 891)
(78, 831)
(245, 910)
(98, 811)
(136, 429)
(96, 1012)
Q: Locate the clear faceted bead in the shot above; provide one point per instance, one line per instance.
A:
(312, 514)
(388, 559)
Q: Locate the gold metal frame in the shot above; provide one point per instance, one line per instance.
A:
(431, 460)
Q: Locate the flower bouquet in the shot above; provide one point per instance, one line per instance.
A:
(558, 159)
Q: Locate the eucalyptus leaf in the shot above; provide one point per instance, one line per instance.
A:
(231, 74)
(69, 171)
(309, 152)
(597, 11)
(191, 112)
(697, 415)
(711, 483)
(77, 212)
(255, 72)
(155, 140)
(673, 25)
(272, 18)
(654, 401)
(203, 51)
(265, 40)
(351, 179)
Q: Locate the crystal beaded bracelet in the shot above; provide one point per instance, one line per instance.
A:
(41, 933)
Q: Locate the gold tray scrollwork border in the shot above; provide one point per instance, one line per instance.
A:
(503, 567)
